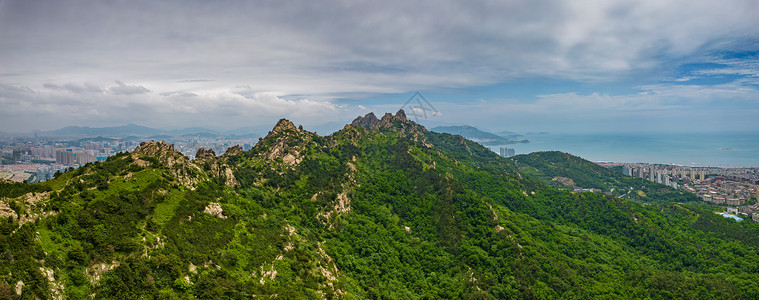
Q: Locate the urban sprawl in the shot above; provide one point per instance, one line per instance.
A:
(731, 188)
(36, 159)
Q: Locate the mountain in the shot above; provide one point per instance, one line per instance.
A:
(97, 139)
(202, 134)
(382, 208)
(563, 170)
(508, 133)
(482, 137)
(130, 129)
(192, 131)
(247, 131)
(143, 131)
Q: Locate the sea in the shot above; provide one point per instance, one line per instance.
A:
(727, 150)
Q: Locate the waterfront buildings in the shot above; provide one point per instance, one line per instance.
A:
(507, 152)
(729, 187)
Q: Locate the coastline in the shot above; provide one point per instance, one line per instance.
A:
(724, 150)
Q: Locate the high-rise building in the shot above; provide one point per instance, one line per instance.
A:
(651, 173)
(83, 158)
(627, 170)
(65, 157)
(69, 157)
(507, 152)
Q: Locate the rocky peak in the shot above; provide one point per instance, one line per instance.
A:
(400, 115)
(154, 148)
(204, 154)
(282, 126)
(284, 142)
(368, 121)
(387, 117)
(232, 151)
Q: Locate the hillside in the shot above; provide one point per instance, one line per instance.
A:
(553, 168)
(380, 209)
(482, 137)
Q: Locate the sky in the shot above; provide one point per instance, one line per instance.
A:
(524, 66)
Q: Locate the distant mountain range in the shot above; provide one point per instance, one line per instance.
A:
(483, 137)
(143, 131)
(130, 129)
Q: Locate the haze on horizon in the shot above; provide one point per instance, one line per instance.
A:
(573, 66)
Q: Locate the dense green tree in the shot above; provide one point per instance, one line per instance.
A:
(388, 210)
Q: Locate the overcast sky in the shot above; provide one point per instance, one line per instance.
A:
(499, 65)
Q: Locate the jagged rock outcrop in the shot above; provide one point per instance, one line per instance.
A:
(186, 172)
(369, 121)
(7, 212)
(217, 166)
(164, 152)
(95, 272)
(215, 210)
(565, 181)
(398, 122)
(57, 288)
(282, 126)
(389, 118)
(462, 141)
(203, 154)
(232, 151)
(401, 115)
(154, 148)
(285, 142)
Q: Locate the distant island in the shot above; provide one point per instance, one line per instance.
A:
(485, 138)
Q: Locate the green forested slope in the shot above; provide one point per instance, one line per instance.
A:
(381, 209)
(545, 166)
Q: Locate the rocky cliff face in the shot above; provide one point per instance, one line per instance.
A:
(369, 121)
(285, 142)
(232, 151)
(185, 171)
(154, 148)
(217, 166)
(164, 152)
(203, 154)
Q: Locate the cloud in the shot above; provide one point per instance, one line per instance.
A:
(123, 89)
(652, 108)
(47, 107)
(74, 88)
(195, 80)
(323, 48)
(180, 58)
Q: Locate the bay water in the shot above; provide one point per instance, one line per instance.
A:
(728, 149)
